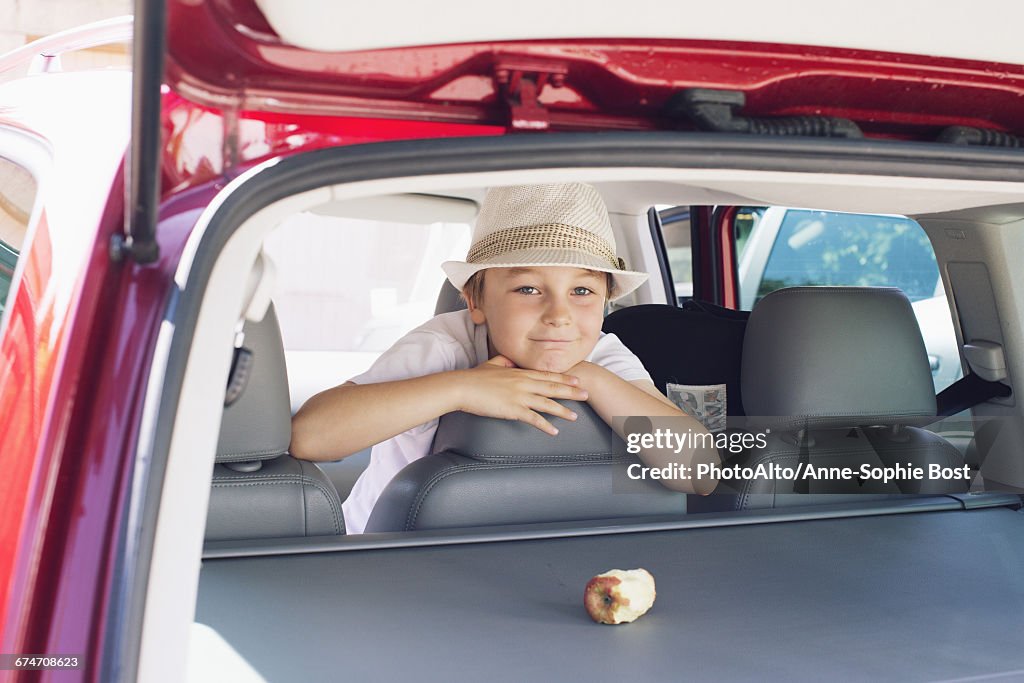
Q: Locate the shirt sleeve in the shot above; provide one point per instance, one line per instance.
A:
(417, 354)
(611, 354)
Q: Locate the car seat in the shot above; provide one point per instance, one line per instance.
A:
(449, 299)
(259, 490)
(838, 377)
(697, 344)
(488, 471)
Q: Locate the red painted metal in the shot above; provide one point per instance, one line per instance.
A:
(73, 363)
(725, 232)
(703, 254)
(229, 57)
(51, 566)
(26, 372)
(200, 146)
(82, 445)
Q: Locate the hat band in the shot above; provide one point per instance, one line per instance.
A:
(544, 236)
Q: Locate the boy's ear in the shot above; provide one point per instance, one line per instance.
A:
(475, 314)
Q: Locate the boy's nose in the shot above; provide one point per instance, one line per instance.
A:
(557, 312)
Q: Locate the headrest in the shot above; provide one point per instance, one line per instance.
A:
(487, 471)
(449, 299)
(836, 357)
(496, 440)
(258, 425)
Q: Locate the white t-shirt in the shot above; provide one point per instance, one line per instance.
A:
(450, 341)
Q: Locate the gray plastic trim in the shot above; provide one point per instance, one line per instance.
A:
(907, 504)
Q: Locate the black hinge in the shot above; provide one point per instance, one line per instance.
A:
(520, 82)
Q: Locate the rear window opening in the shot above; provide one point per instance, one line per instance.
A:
(355, 276)
(200, 340)
(292, 195)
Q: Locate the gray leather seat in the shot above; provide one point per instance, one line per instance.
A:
(840, 378)
(449, 299)
(486, 471)
(260, 491)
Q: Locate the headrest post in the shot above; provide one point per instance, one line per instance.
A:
(248, 466)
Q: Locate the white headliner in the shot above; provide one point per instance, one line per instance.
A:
(987, 30)
(632, 191)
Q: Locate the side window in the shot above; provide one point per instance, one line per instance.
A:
(17, 196)
(746, 219)
(347, 289)
(675, 230)
(783, 247)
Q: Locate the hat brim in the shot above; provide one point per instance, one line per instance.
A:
(625, 281)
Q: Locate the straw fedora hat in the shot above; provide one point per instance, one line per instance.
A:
(544, 225)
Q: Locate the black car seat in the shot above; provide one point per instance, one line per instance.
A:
(259, 490)
(838, 377)
(487, 471)
(697, 344)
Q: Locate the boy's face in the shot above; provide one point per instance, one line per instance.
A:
(542, 318)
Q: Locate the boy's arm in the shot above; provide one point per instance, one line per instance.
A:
(346, 419)
(611, 397)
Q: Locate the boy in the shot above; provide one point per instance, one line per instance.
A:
(539, 271)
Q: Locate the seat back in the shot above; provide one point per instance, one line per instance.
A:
(258, 490)
(486, 471)
(839, 377)
(698, 344)
(449, 299)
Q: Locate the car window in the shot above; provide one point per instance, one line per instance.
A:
(829, 248)
(336, 320)
(675, 231)
(785, 247)
(17, 195)
(746, 218)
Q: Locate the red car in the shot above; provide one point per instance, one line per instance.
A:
(189, 254)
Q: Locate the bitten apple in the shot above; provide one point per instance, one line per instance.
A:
(619, 596)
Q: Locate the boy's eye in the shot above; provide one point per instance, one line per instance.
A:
(582, 291)
(527, 289)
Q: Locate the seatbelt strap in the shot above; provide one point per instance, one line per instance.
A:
(967, 392)
(258, 289)
(241, 367)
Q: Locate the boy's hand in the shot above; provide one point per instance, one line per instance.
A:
(497, 388)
